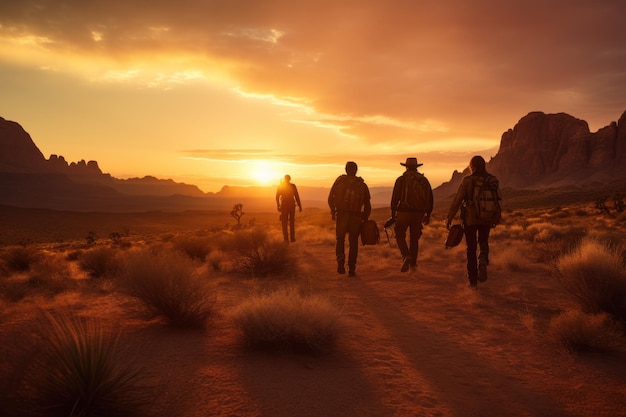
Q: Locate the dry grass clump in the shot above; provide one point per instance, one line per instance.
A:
(594, 273)
(261, 254)
(169, 286)
(82, 372)
(48, 276)
(20, 258)
(577, 331)
(287, 320)
(512, 258)
(100, 261)
(196, 247)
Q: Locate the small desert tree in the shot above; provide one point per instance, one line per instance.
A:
(237, 212)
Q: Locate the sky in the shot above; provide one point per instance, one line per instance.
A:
(240, 93)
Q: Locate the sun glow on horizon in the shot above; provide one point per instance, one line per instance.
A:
(265, 173)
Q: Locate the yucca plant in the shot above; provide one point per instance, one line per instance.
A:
(82, 372)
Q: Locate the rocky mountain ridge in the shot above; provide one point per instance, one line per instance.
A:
(541, 151)
(553, 151)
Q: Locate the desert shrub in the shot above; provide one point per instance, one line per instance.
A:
(215, 259)
(51, 275)
(82, 372)
(287, 320)
(595, 275)
(168, 286)
(195, 247)
(21, 258)
(260, 254)
(577, 331)
(512, 258)
(100, 261)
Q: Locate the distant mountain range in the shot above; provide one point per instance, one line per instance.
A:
(542, 151)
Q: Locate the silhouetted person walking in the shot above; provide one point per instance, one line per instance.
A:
(478, 197)
(286, 200)
(349, 202)
(411, 205)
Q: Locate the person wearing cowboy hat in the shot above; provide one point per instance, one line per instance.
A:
(411, 205)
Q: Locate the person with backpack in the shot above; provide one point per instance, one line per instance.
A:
(411, 205)
(349, 202)
(478, 197)
(286, 200)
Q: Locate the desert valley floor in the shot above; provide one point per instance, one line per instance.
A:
(420, 343)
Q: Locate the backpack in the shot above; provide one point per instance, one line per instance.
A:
(415, 194)
(288, 194)
(349, 193)
(370, 235)
(486, 200)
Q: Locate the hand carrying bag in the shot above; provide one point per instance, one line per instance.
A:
(455, 235)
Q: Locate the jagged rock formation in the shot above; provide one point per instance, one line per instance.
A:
(558, 149)
(22, 162)
(555, 150)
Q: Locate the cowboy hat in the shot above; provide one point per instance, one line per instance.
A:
(411, 162)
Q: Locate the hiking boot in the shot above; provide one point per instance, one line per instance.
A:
(482, 272)
(341, 269)
(406, 262)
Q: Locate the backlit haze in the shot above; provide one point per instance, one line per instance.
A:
(240, 93)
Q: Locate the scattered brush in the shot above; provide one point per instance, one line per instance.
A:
(287, 320)
(196, 247)
(83, 372)
(595, 275)
(20, 258)
(261, 254)
(168, 286)
(577, 331)
(100, 261)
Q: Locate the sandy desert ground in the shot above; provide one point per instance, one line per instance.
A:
(415, 344)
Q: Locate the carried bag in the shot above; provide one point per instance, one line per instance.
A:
(455, 235)
(370, 235)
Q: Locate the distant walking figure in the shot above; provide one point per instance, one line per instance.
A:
(411, 205)
(286, 200)
(349, 202)
(478, 197)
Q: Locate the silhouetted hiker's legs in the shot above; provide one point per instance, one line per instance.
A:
(483, 244)
(402, 224)
(472, 264)
(341, 228)
(414, 236)
(354, 227)
(292, 224)
(283, 220)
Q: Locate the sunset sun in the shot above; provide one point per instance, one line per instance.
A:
(264, 173)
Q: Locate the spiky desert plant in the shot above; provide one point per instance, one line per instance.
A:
(168, 286)
(577, 331)
(83, 372)
(595, 275)
(260, 254)
(287, 320)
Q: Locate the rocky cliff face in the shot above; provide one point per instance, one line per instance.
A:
(21, 162)
(555, 150)
(558, 149)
